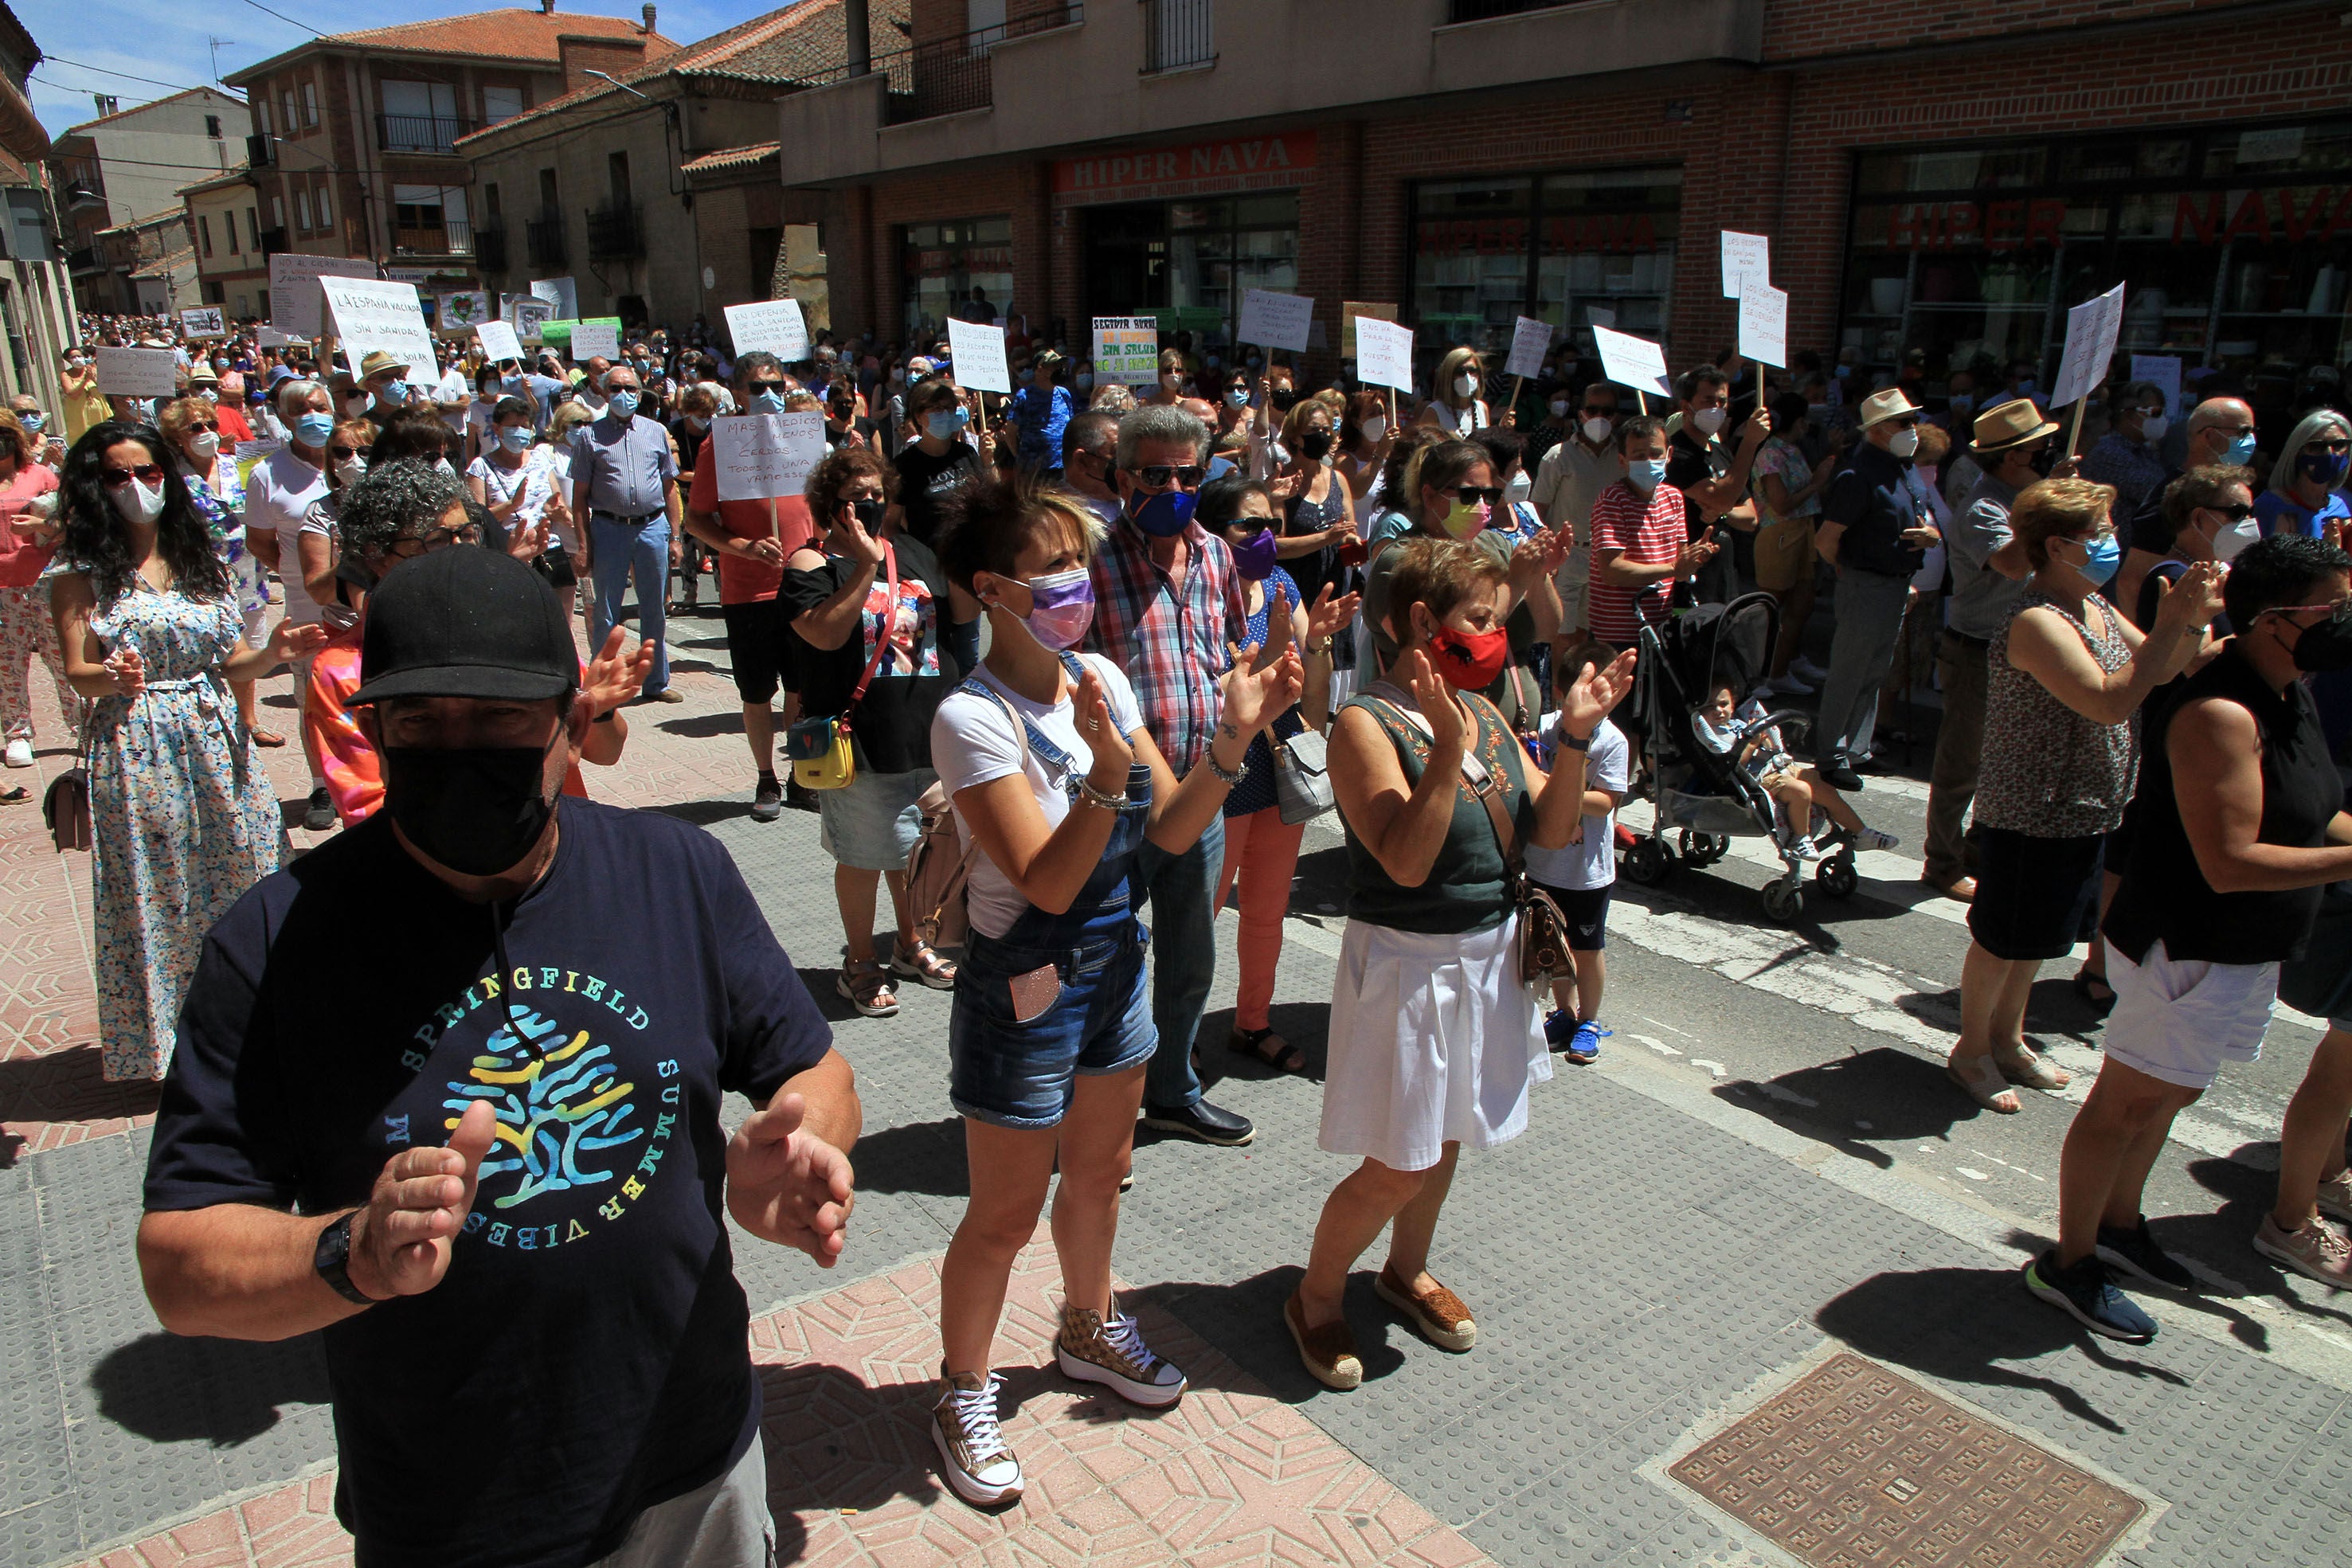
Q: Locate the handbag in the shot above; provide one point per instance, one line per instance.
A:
(65, 804)
(1302, 778)
(938, 871)
(819, 748)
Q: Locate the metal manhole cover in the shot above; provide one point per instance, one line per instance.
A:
(1853, 1466)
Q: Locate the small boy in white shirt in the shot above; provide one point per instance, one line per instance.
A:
(1580, 875)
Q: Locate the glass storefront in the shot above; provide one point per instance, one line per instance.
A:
(1189, 262)
(1568, 248)
(2234, 242)
(942, 264)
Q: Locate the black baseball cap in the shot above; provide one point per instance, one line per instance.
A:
(465, 621)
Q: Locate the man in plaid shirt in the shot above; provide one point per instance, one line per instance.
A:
(1168, 610)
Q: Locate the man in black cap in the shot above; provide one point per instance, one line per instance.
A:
(448, 1088)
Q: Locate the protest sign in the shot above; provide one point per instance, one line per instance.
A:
(1127, 351)
(1383, 353)
(1274, 320)
(1764, 324)
(271, 338)
(556, 333)
(248, 453)
(462, 311)
(294, 300)
(527, 313)
(560, 293)
(1745, 256)
(1531, 341)
(761, 456)
(138, 372)
(1632, 361)
(2091, 330)
(371, 315)
(2161, 370)
(977, 350)
(772, 327)
(602, 336)
(499, 341)
(1349, 311)
(203, 322)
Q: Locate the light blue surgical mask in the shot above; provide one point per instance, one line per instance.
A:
(2240, 451)
(1646, 474)
(515, 437)
(2101, 555)
(395, 392)
(314, 429)
(1237, 396)
(623, 404)
(767, 400)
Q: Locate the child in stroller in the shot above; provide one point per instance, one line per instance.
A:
(1795, 790)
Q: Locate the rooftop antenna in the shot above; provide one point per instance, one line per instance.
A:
(217, 46)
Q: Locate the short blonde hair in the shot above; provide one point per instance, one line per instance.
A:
(2057, 508)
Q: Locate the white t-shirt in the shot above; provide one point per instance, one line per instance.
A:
(1592, 863)
(535, 479)
(972, 742)
(277, 495)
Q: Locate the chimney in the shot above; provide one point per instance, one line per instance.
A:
(855, 37)
(547, 7)
(650, 17)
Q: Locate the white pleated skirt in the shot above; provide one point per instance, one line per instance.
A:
(1433, 1041)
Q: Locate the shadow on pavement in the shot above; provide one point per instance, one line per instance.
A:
(825, 990)
(1961, 1324)
(171, 1389)
(833, 1442)
(920, 1157)
(704, 726)
(2247, 1183)
(65, 1086)
(701, 813)
(1244, 1320)
(1900, 1096)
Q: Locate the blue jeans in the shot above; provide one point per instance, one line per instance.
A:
(620, 549)
(1183, 891)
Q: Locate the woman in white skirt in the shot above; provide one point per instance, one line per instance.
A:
(1433, 1039)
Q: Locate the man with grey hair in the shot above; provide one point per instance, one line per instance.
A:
(281, 488)
(1168, 605)
(2129, 455)
(591, 387)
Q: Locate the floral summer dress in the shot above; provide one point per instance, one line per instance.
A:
(182, 817)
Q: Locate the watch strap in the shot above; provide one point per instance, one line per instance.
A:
(332, 1259)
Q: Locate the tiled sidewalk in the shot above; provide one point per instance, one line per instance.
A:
(1230, 1476)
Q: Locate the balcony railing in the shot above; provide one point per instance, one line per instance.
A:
(490, 247)
(543, 240)
(1176, 34)
(1479, 10)
(615, 234)
(84, 258)
(455, 236)
(951, 75)
(420, 132)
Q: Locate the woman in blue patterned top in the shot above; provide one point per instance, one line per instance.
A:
(1261, 849)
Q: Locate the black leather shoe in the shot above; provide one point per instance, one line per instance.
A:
(1837, 772)
(1201, 1122)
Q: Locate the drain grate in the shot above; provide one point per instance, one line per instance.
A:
(1855, 1466)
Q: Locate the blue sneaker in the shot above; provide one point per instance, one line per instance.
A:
(1584, 1050)
(1559, 1027)
(2085, 1293)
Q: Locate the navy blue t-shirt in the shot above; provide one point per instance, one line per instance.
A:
(584, 1358)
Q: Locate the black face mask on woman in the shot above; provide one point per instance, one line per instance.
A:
(477, 810)
(1314, 445)
(2326, 646)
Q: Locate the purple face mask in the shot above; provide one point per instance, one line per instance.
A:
(1061, 608)
(1253, 558)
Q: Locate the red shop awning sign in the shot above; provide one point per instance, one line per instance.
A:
(1193, 168)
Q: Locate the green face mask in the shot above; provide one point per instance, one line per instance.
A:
(1467, 519)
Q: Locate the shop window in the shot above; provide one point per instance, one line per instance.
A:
(2236, 244)
(941, 264)
(1573, 249)
(1189, 263)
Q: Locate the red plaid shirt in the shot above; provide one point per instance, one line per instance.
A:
(1174, 641)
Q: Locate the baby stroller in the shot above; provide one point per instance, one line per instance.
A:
(1702, 794)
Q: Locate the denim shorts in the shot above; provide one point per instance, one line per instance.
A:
(872, 823)
(1014, 1074)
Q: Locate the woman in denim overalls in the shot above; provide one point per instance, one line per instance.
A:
(1056, 786)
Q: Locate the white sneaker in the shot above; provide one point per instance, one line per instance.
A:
(1803, 850)
(1806, 669)
(973, 1454)
(1871, 838)
(20, 751)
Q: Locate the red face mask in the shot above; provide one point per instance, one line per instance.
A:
(1469, 660)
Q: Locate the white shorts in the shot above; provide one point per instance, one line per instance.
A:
(2178, 1021)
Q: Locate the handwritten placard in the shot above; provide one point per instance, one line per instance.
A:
(1383, 353)
(1349, 311)
(1274, 320)
(769, 326)
(1632, 361)
(1127, 351)
(764, 456)
(1531, 341)
(295, 303)
(203, 322)
(590, 338)
(499, 341)
(2162, 372)
(560, 293)
(462, 311)
(1764, 324)
(138, 372)
(1745, 256)
(977, 350)
(2091, 330)
(372, 314)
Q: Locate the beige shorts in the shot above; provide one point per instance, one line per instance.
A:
(1784, 554)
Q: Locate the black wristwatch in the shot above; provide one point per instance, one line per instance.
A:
(1573, 743)
(332, 1258)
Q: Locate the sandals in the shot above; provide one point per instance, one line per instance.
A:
(2100, 1005)
(866, 984)
(1980, 1079)
(266, 737)
(16, 796)
(922, 963)
(2029, 1069)
(1268, 1048)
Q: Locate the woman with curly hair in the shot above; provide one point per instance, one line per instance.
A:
(180, 810)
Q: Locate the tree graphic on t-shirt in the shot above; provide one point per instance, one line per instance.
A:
(556, 1113)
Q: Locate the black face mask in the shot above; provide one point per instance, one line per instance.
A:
(1314, 445)
(2326, 646)
(475, 809)
(869, 516)
(1285, 396)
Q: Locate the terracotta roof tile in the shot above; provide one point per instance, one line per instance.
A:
(513, 34)
(733, 157)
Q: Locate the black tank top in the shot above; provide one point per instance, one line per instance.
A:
(2165, 897)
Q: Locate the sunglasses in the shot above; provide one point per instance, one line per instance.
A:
(1471, 495)
(146, 473)
(342, 453)
(204, 424)
(2235, 514)
(1159, 476)
(1593, 411)
(1904, 422)
(2331, 444)
(759, 387)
